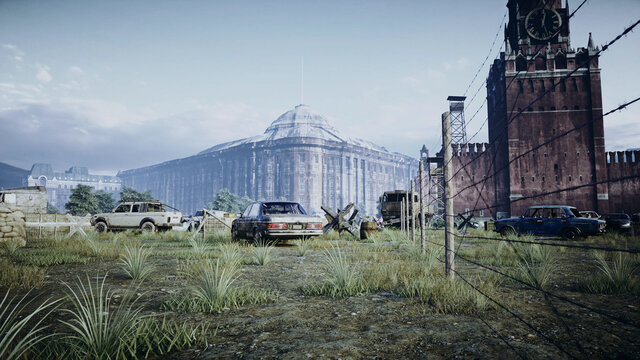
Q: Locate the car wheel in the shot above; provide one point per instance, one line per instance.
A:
(507, 231)
(100, 227)
(570, 233)
(234, 234)
(148, 226)
(258, 238)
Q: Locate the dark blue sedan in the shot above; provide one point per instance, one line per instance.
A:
(551, 220)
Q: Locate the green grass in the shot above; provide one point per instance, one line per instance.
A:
(213, 285)
(135, 262)
(448, 296)
(262, 253)
(19, 276)
(230, 255)
(219, 237)
(200, 248)
(50, 257)
(98, 330)
(12, 245)
(22, 330)
(302, 246)
(616, 274)
(343, 278)
(156, 338)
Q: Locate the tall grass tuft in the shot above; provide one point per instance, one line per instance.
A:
(92, 240)
(537, 264)
(230, 255)
(135, 262)
(446, 296)
(343, 277)
(98, 331)
(11, 246)
(20, 334)
(199, 247)
(214, 285)
(262, 253)
(156, 337)
(618, 275)
(302, 246)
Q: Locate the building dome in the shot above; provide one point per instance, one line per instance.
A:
(302, 121)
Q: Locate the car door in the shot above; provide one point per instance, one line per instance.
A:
(133, 217)
(252, 219)
(532, 222)
(243, 220)
(118, 218)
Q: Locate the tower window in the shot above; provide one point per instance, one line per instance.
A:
(563, 86)
(533, 178)
(553, 108)
(541, 63)
(541, 108)
(565, 154)
(521, 64)
(569, 177)
(553, 131)
(543, 178)
(555, 166)
(578, 154)
(522, 179)
(561, 61)
(545, 154)
(530, 109)
(531, 89)
(556, 177)
(580, 177)
(520, 87)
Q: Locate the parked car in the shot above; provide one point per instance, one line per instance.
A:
(145, 215)
(551, 220)
(276, 220)
(590, 214)
(617, 222)
(195, 220)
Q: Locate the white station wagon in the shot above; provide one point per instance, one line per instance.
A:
(144, 215)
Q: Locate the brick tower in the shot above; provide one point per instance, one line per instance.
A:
(537, 59)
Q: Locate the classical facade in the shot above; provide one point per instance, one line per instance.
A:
(300, 157)
(543, 94)
(59, 184)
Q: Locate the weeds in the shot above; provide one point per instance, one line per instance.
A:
(135, 262)
(18, 334)
(97, 330)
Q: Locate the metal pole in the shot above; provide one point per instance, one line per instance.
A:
(402, 215)
(413, 215)
(448, 203)
(406, 213)
(420, 179)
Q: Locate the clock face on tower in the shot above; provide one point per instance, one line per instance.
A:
(543, 23)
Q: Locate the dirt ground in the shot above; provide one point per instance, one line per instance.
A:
(380, 325)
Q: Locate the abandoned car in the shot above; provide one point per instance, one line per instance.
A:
(145, 215)
(619, 222)
(277, 220)
(551, 220)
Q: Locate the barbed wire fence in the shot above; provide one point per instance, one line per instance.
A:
(574, 347)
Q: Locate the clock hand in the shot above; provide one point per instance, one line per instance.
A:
(544, 18)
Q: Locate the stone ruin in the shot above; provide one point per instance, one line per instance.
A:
(12, 226)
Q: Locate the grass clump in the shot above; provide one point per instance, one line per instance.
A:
(12, 245)
(617, 274)
(343, 277)
(230, 255)
(97, 329)
(50, 257)
(262, 253)
(20, 276)
(135, 262)
(302, 246)
(537, 264)
(156, 337)
(447, 296)
(214, 290)
(21, 330)
(219, 237)
(199, 247)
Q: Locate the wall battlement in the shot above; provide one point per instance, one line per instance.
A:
(623, 157)
(471, 149)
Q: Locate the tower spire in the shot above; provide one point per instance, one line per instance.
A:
(302, 83)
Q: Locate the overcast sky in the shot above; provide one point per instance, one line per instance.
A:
(115, 85)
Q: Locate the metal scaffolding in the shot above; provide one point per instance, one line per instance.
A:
(456, 113)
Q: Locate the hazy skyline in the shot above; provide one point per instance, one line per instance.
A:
(118, 85)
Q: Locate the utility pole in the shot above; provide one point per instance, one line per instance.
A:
(413, 215)
(420, 179)
(449, 230)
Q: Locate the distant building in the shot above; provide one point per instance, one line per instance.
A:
(300, 157)
(544, 94)
(59, 184)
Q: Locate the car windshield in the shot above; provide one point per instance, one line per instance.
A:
(282, 208)
(575, 212)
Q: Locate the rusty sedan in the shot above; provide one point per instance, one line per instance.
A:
(275, 220)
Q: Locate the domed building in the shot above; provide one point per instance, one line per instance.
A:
(300, 157)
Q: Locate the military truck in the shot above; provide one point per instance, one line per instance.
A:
(144, 215)
(391, 202)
